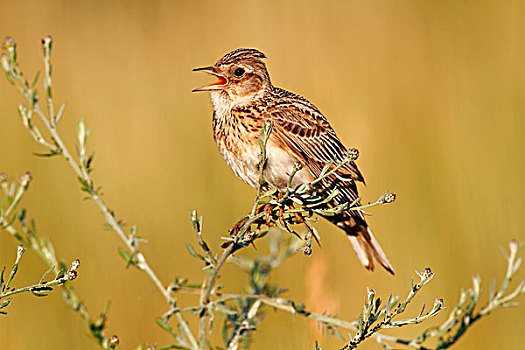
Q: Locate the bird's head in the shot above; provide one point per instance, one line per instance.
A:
(241, 74)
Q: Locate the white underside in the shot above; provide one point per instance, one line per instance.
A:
(279, 166)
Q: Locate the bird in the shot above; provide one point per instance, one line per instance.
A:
(243, 99)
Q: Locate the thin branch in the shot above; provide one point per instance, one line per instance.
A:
(81, 169)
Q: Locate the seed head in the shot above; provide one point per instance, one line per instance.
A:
(427, 273)
(71, 275)
(74, 265)
(46, 45)
(20, 250)
(353, 153)
(113, 341)
(389, 198)
(307, 251)
(438, 304)
(26, 178)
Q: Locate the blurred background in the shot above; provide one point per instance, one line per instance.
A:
(430, 92)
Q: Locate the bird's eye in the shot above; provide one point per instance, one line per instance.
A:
(239, 72)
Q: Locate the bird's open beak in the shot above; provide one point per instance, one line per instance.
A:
(215, 86)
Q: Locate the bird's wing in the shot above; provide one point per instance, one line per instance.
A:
(306, 133)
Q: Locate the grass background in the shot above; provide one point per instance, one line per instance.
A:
(430, 92)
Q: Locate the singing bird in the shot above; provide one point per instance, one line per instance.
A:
(243, 99)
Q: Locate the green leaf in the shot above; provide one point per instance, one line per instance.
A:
(124, 254)
(41, 289)
(192, 251)
(164, 325)
(90, 160)
(191, 285)
(37, 75)
(224, 333)
(51, 153)
(2, 279)
(324, 212)
(9, 77)
(39, 294)
(45, 274)
(326, 168)
(173, 346)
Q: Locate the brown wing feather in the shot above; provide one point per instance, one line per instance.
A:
(306, 132)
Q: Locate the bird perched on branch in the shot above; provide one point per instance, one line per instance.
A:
(244, 98)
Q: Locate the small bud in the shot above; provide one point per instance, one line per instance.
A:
(82, 134)
(389, 198)
(113, 341)
(3, 178)
(46, 45)
(353, 154)
(6, 65)
(10, 45)
(307, 251)
(427, 273)
(438, 304)
(71, 275)
(26, 178)
(74, 265)
(514, 246)
(20, 250)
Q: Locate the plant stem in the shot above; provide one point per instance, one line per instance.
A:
(206, 290)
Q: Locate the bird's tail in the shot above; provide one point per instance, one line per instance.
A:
(363, 241)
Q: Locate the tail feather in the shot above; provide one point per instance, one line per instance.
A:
(363, 241)
(367, 247)
(363, 254)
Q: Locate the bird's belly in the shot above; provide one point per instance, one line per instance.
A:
(279, 167)
(244, 161)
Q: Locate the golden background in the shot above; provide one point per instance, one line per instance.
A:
(430, 92)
